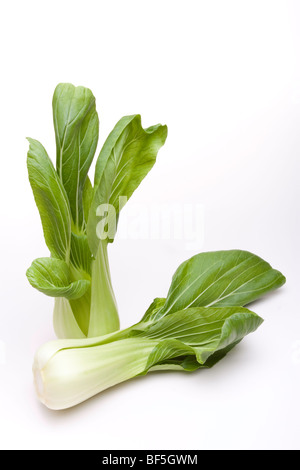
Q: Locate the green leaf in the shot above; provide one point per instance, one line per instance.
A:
(52, 277)
(76, 126)
(51, 200)
(221, 278)
(199, 332)
(190, 363)
(126, 158)
(87, 198)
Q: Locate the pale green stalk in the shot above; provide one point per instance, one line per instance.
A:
(66, 375)
(104, 318)
(64, 322)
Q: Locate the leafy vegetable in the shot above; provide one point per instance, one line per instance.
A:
(78, 273)
(184, 340)
(203, 316)
(190, 337)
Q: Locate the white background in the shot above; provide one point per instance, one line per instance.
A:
(224, 76)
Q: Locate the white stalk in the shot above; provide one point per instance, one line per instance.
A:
(68, 372)
(71, 317)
